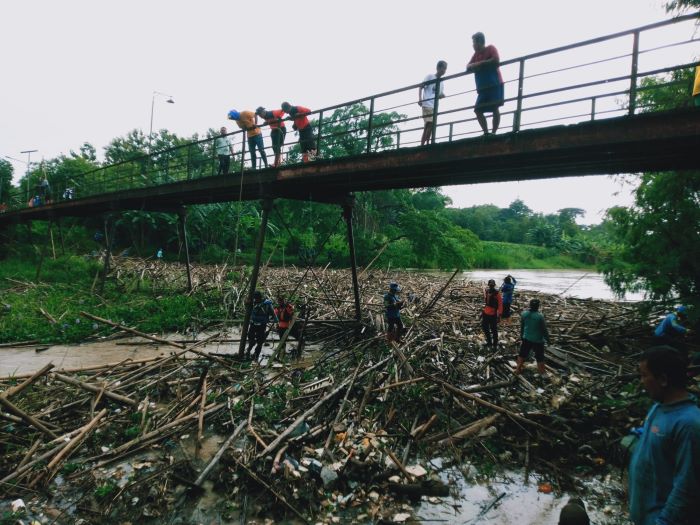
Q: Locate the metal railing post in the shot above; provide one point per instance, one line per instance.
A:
(318, 137)
(593, 99)
(435, 110)
(242, 152)
(633, 74)
(398, 139)
(451, 130)
(369, 125)
(519, 108)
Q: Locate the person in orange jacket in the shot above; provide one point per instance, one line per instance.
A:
(278, 130)
(284, 310)
(307, 142)
(491, 313)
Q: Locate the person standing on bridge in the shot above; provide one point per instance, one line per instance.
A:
(426, 99)
(489, 82)
(248, 121)
(278, 130)
(307, 143)
(696, 87)
(224, 151)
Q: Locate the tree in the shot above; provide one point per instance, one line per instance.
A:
(6, 170)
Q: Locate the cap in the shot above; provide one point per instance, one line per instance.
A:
(234, 115)
(260, 109)
(681, 309)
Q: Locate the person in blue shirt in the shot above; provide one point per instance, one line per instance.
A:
(393, 306)
(507, 289)
(262, 313)
(664, 473)
(671, 327)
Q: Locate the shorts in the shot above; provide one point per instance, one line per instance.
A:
(428, 114)
(277, 135)
(526, 346)
(306, 139)
(489, 99)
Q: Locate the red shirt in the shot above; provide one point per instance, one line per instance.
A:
(274, 119)
(490, 310)
(485, 54)
(300, 120)
(284, 315)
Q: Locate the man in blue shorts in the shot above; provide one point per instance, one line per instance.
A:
(489, 82)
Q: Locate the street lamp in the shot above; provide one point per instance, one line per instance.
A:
(153, 101)
(29, 163)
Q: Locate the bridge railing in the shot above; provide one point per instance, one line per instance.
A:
(599, 78)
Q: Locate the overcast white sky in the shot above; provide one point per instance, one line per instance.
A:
(79, 71)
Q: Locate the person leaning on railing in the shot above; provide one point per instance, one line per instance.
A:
(696, 87)
(307, 143)
(248, 121)
(278, 130)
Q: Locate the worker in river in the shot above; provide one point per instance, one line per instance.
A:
(491, 313)
(393, 306)
(261, 315)
(672, 329)
(533, 335)
(507, 289)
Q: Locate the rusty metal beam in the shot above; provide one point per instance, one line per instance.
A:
(629, 144)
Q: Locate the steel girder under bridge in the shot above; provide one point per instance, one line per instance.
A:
(644, 142)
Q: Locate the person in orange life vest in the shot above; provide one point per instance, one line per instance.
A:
(248, 121)
(278, 130)
(493, 308)
(284, 312)
(307, 143)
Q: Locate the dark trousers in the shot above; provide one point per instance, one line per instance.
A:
(489, 324)
(224, 162)
(506, 310)
(257, 142)
(394, 329)
(257, 333)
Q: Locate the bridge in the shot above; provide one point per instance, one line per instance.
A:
(550, 128)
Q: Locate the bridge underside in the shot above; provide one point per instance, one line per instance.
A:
(647, 142)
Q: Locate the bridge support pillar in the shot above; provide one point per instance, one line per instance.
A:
(266, 208)
(109, 227)
(347, 215)
(182, 223)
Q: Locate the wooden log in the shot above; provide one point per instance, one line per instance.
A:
(298, 421)
(131, 330)
(24, 384)
(73, 443)
(10, 407)
(96, 389)
(215, 460)
(470, 430)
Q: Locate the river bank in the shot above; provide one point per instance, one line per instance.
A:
(448, 409)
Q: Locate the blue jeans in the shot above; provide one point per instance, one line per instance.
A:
(253, 142)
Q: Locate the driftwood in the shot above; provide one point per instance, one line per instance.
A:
(131, 330)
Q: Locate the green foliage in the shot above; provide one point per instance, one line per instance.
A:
(6, 170)
(65, 291)
(659, 250)
(106, 489)
(509, 255)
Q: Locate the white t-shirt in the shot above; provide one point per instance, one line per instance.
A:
(428, 97)
(223, 146)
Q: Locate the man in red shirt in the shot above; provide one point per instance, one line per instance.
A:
(307, 143)
(278, 130)
(489, 82)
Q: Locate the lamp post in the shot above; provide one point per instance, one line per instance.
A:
(29, 163)
(169, 100)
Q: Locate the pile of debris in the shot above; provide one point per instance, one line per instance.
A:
(353, 427)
